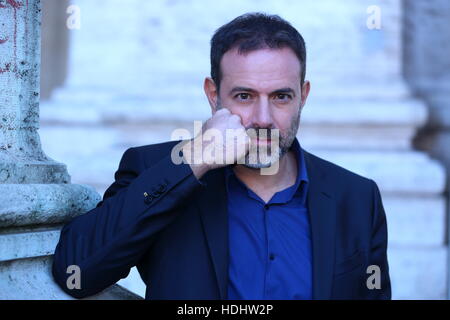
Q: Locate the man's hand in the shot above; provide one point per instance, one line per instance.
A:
(210, 149)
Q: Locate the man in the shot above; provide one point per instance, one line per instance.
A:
(215, 230)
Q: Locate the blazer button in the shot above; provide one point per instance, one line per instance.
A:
(148, 198)
(161, 188)
(158, 191)
(155, 194)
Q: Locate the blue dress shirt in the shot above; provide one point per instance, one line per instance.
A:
(269, 243)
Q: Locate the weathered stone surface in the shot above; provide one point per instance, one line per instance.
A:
(22, 245)
(25, 267)
(360, 113)
(35, 193)
(31, 279)
(38, 204)
(21, 157)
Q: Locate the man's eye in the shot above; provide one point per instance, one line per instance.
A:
(243, 96)
(283, 96)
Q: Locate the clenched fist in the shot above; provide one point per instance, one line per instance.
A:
(222, 141)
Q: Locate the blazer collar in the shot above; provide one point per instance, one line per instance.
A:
(212, 202)
(322, 215)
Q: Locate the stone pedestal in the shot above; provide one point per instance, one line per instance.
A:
(136, 74)
(36, 195)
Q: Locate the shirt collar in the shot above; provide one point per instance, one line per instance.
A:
(301, 182)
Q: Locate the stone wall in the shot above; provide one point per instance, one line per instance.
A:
(136, 73)
(55, 39)
(36, 196)
(427, 70)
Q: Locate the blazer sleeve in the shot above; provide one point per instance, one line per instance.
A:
(378, 251)
(111, 238)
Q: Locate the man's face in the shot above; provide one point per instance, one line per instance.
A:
(263, 88)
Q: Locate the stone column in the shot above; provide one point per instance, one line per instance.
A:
(147, 61)
(427, 70)
(54, 46)
(36, 195)
(367, 122)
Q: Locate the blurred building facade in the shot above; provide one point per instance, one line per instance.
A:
(379, 104)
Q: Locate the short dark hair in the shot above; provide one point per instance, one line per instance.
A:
(253, 31)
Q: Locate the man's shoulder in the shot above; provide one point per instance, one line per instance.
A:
(160, 147)
(154, 152)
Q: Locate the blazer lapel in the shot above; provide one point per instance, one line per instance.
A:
(212, 202)
(322, 213)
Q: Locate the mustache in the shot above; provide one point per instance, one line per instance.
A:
(258, 132)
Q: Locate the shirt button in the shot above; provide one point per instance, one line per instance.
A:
(272, 256)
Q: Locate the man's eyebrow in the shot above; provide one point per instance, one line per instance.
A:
(278, 91)
(240, 89)
(284, 90)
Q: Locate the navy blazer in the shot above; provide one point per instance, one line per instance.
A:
(156, 216)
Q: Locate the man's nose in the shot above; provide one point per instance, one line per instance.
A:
(261, 115)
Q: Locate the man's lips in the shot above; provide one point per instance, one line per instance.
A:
(263, 141)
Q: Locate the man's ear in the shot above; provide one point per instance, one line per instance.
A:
(211, 93)
(305, 92)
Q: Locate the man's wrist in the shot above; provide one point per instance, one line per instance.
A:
(199, 170)
(198, 167)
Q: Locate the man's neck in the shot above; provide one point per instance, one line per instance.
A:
(267, 185)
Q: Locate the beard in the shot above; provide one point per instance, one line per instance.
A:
(264, 156)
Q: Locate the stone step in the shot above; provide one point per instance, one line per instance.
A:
(104, 106)
(92, 154)
(415, 221)
(326, 123)
(31, 279)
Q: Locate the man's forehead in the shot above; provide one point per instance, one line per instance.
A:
(263, 70)
(263, 64)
